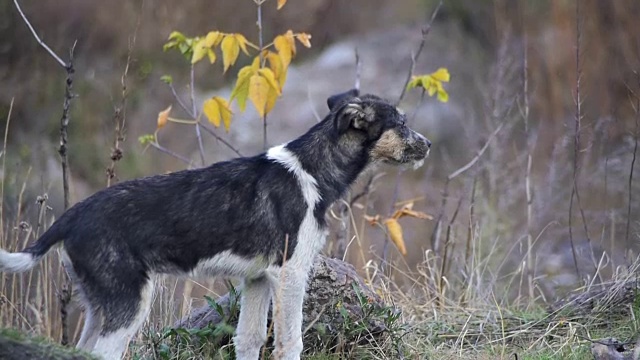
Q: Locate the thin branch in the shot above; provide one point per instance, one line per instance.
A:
(64, 124)
(633, 162)
(217, 137)
(576, 140)
(195, 113)
(35, 35)
(527, 130)
(414, 57)
(435, 235)
(4, 161)
(180, 102)
(358, 70)
(171, 153)
(478, 155)
(120, 114)
(261, 56)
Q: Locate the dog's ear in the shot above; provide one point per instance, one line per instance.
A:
(335, 100)
(354, 114)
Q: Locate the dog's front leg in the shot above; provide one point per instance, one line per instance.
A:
(251, 332)
(288, 299)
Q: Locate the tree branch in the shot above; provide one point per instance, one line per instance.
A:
(414, 57)
(35, 35)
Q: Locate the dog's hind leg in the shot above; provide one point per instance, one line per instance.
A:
(90, 330)
(116, 333)
(289, 294)
(251, 333)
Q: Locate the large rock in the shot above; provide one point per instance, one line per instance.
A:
(339, 309)
(15, 346)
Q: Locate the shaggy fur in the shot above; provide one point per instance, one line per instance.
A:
(231, 219)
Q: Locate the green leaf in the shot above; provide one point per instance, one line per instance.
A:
(167, 79)
(199, 51)
(147, 138)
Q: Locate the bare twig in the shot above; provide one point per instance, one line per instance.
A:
(120, 113)
(344, 207)
(35, 35)
(633, 162)
(4, 161)
(261, 45)
(180, 102)
(414, 57)
(576, 147)
(195, 113)
(466, 167)
(356, 84)
(527, 130)
(445, 193)
(65, 294)
(64, 124)
(169, 152)
(217, 137)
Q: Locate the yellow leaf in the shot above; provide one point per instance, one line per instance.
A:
(281, 3)
(230, 51)
(211, 55)
(442, 74)
(213, 38)
(304, 39)
(430, 85)
(211, 109)
(415, 82)
(443, 96)
(271, 79)
(241, 90)
(272, 97)
(218, 108)
(284, 50)
(258, 93)
(291, 39)
(242, 42)
(395, 232)
(275, 64)
(416, 214)
(163, 117)
(225, 111)
(199, 51)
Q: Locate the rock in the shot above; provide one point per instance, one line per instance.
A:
(339, 309)
(15, 346)
(610, 349)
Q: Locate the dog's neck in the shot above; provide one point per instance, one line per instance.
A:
(334, 161)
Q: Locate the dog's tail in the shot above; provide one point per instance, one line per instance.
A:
(28, 258)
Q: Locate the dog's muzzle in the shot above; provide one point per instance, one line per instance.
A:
(417, 149)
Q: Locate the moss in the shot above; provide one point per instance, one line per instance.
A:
(16, 345)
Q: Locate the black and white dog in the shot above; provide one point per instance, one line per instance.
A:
(231, 219)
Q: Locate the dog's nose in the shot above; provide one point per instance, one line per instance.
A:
(428, 142)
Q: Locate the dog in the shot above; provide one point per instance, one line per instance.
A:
(260, 219)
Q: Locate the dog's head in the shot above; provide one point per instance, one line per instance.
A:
(380, 126)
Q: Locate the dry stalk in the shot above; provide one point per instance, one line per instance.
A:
(636, 109)
(576, 147)
(120, 113)
(414, 58)
(65, 295)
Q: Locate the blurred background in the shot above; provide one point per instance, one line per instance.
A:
(514, 210)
